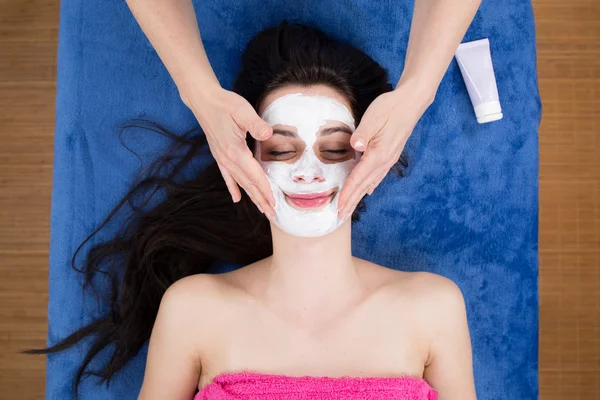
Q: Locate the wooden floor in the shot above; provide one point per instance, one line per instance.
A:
(569, 76)
(568, 36)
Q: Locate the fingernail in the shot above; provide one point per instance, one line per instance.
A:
(358, 145)
(272, 202)
(343, 215)
(260, 209)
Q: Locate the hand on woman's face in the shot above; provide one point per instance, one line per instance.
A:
(307, 160)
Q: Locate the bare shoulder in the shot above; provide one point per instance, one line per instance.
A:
(180, 335)
(436, 287)
(197, 297)
(197, 284)
(438, 305)
(194, 287)
(430, 293)
(404, 280)
(441, 307)
(435, 294)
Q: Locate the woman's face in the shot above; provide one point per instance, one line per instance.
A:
(309, 156)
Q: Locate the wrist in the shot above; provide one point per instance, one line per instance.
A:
(196, 93)
(419, 89)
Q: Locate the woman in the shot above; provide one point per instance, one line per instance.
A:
(302, 305)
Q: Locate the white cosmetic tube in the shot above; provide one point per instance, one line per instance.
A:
(475, 62)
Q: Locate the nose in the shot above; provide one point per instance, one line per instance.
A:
(308, 169)
(309, 178)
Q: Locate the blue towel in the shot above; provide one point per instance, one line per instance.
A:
(467, 211)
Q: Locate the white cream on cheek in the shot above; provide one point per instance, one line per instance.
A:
(307, 114)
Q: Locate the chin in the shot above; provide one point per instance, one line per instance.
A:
(308, 223)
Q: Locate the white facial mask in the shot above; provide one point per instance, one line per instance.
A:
(307, 114)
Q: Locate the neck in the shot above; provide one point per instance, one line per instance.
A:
(312, 275)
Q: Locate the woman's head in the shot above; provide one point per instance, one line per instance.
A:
(309, 156)
(196, 223)
(307, 84)
(296, 55)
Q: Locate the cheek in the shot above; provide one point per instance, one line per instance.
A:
(339, 172)
(277, 171)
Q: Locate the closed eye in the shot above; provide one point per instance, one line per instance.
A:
(333, 153)
(279, 153)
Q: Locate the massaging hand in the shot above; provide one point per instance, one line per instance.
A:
(225, 118)
(382, 134)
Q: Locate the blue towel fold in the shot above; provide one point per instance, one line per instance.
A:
(467, 211)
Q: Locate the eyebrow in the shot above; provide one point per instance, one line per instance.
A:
(324, 132)
(284, 132)
(329, 131)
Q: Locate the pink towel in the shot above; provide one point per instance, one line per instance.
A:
(255, 386)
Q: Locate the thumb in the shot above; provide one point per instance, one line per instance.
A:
(249, 121)
(367, 128)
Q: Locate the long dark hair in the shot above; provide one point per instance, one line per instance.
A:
(195, 223)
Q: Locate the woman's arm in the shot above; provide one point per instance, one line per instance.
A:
(173, 365)
(449, 368)
(437, 28)
(224, 116)
(171, 27)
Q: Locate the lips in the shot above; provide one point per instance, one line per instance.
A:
(310, 200)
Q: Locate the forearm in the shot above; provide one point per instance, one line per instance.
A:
(437, 28)
(172, 29)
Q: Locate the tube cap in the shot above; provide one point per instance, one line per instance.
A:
(488, 112)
